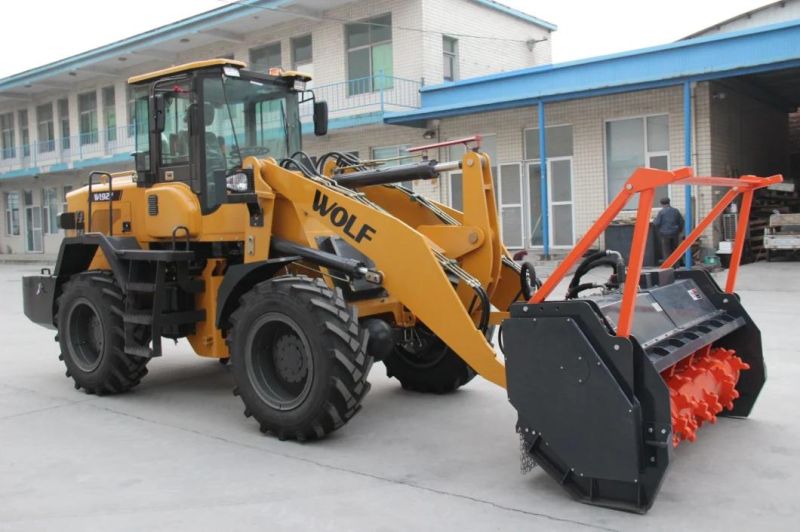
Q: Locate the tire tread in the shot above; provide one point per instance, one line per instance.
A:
(340, 330)
(124, 371)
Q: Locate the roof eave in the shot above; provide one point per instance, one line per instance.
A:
(517, 14)
(150, 37)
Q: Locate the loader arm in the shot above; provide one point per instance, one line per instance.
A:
(472, 236)
(407, 259)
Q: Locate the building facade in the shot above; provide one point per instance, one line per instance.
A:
(401, 73)
(720, 103)
(368, 58)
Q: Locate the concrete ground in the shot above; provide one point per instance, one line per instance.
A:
(177, 453)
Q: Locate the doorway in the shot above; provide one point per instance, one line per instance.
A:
(561, 229)
(33, 224)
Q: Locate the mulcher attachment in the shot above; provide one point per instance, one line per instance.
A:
(600, 413)
(602, 399)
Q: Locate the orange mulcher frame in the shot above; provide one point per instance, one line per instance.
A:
(644, 181)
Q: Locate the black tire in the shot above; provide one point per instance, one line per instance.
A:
(298, 357)
(429, 367)
(92, 338)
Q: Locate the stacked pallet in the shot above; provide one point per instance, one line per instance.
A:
(766, 202)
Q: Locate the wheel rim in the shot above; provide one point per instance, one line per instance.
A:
(428, 352)
(86, 335)
(279, 362)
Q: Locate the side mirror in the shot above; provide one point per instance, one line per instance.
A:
(320, 118)
(158, 113)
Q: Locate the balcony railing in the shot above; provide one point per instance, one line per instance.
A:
(364, 95)
(43, 154)
(375, 94)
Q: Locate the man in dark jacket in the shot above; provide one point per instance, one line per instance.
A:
(669, 224)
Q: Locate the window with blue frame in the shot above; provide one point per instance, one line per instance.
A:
(45, 128)
(63, 119)
(635, 142)
(24, 132)
(265, 57)
(369, 55)
(110, 113)
(7, 136)
(87, 117)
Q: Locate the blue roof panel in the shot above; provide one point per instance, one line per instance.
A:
(760, 49)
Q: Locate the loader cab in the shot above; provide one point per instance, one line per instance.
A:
(197, 124)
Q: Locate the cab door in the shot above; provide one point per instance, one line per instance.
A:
(177, 144)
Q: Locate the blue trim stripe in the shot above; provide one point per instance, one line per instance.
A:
(347, 121)
(22, 172)
(308, 129)
(31, 171)
(762, 49)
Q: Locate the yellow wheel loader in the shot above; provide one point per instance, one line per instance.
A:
(301, 271)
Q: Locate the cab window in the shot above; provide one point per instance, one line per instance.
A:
(141, 125)
(241, 118)
(175, 137)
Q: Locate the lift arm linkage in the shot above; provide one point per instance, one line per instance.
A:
(413, 270)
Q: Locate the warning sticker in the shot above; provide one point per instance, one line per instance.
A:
(695, 294)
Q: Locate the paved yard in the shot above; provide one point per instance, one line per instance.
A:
(177, 453)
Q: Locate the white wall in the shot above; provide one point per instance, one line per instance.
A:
(588, 117)
(503, 50)
(416, 56)
(50, 242)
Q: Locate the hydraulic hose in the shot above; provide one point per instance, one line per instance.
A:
(595, 260)
(483, 323)
(529, 283)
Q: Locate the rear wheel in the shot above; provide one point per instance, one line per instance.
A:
(298, 357)
(91, 335)
(423, 363)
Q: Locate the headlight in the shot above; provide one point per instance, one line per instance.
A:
(299, 85)
(237, 182)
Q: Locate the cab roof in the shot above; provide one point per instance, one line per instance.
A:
(194, 65)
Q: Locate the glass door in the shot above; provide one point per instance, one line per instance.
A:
(33, 224)
(559, 188)
(511, 215)
(560, 203)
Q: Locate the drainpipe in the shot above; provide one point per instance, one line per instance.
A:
(543, 189)
(687, 161)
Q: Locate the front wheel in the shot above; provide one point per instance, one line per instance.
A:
(298, 357)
